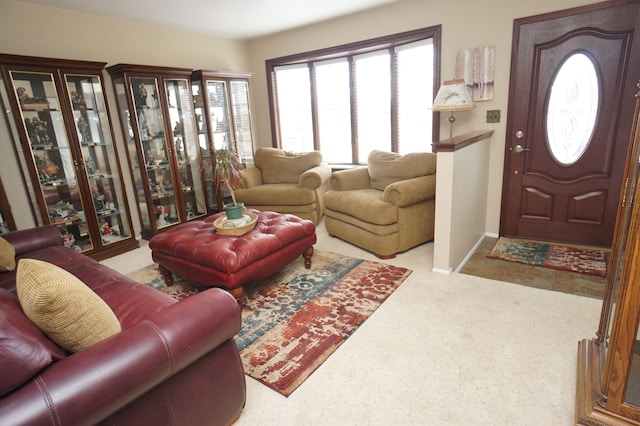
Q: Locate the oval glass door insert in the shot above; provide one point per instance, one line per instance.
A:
(572, 109)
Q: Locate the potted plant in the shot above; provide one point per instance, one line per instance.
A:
(226, 169)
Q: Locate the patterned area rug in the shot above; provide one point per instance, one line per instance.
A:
(555, 256)
(294, 320)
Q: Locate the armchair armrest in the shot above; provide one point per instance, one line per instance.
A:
(411, 191)
(347, 180)
(251, 176)
(92, 384)
(315, 176)
(27, 240)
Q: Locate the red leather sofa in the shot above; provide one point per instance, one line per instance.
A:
(173, 362)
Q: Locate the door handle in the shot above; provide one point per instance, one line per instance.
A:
(519, 149)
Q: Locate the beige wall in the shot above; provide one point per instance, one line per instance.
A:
(461, 204)
(27, 29)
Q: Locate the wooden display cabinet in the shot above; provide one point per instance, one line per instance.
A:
(7, 224)
(608, 375)
(223, 116)
(65, 144)
(159, 128)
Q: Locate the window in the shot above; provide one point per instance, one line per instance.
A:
(572, 109)
(348, 100)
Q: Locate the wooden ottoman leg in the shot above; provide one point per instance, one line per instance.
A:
(307, 257)
(238, 293)
(168, 277)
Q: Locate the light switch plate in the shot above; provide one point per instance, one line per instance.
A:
(493, 116)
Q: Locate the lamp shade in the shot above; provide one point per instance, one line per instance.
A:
(453, 95)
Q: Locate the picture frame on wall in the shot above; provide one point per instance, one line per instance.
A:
(477, 67)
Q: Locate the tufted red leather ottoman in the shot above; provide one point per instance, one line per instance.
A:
(195, 252)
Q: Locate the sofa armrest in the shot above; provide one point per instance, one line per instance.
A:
(27, 240)
(92, 384)
(315, 176)
(251, 176)
(411, 191)
(347, 180)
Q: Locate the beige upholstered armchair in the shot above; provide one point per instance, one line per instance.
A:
(387, 207)
(286, 182)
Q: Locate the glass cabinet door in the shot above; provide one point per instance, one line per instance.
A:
(224, 121)
(242, 120)
(126, 121)
(155, 153)
(219, 114)
(98, 159)
(205, 145)
(186, 147)
(217, 105)
(51, 156)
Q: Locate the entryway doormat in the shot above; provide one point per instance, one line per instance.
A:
(551, 255)
(294, 320)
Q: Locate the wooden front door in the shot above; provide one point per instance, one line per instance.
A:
(571, 99)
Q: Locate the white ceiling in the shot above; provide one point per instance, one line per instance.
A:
(235, 19)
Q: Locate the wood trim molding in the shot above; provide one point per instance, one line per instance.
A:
(459, 142)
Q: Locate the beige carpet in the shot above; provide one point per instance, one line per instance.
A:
(442, 350)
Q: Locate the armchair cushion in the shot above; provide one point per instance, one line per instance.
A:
(251, 177)
(283, 193)
(388, 167)
(315, 177)
(278, 166)
(411, 191)
(347, 180)
(62, 306)
(365, 204)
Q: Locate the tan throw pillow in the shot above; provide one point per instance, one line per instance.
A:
(7, 256)
(278, 166)
(388, 167)
(62, 306)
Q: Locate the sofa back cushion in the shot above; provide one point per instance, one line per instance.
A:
(24, 349)
(388, 167)
(279, 166)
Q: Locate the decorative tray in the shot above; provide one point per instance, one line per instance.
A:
(236, 227)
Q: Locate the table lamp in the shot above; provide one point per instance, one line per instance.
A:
(452, 96)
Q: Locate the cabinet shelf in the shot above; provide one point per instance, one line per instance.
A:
(99, 176)
(94, 144)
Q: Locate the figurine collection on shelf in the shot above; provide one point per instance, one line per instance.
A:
(63, 212)
(77, 100)
(38, 131)
(30, 102)
(83, 128)
(145, 96)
